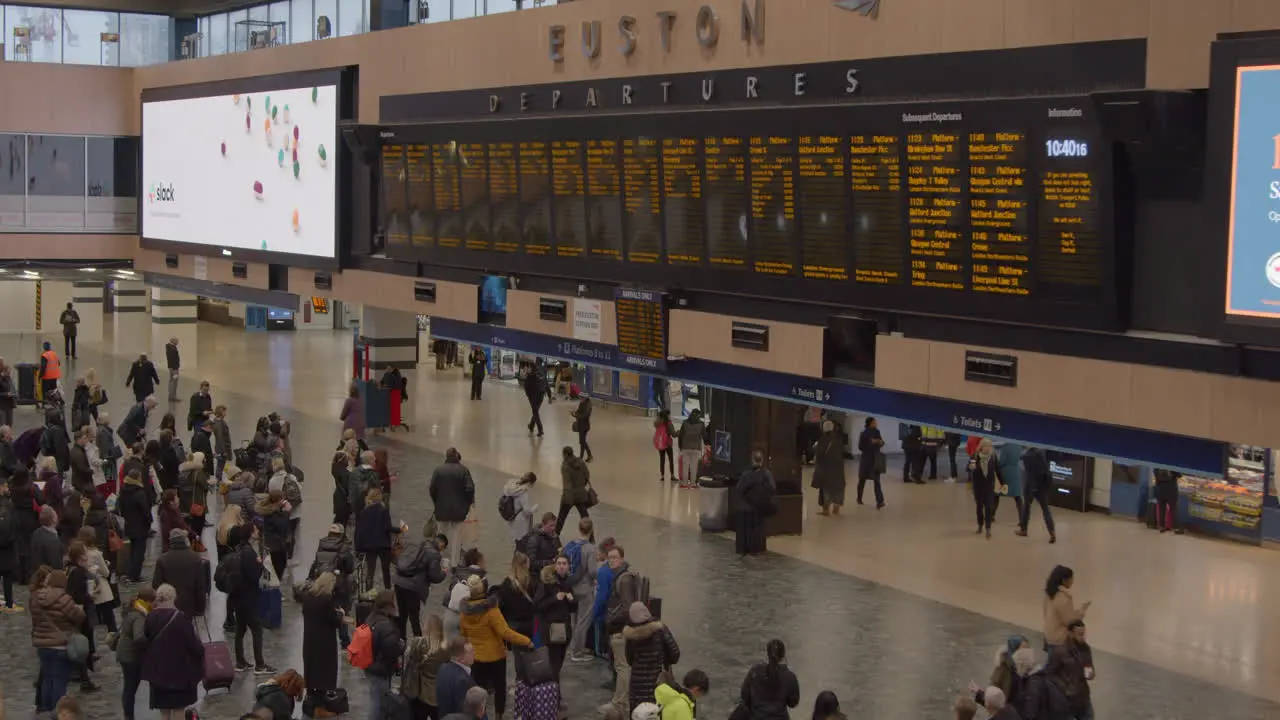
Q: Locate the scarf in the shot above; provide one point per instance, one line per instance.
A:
(142, 606)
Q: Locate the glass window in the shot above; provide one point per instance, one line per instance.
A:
(302, 27)
(467, 8)
(237, 31)
(436, 10)
(55, 182)
(326, 22)
(259, 13)
(368, 16)
(203, 26)
(145, 39)
(90, 37)
(218, 43)
(279, 13)
(350, 17)
(32, 34)
(501, 6)
(13, 181)
(111, 183)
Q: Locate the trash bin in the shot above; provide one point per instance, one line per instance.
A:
(713, 504)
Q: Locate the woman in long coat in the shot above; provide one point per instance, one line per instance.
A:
(321, 618)
(757, 498)
(828, 469)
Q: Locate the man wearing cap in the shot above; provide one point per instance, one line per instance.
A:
(186, 571)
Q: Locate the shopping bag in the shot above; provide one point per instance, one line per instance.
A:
(533, 667)
(271, 608)
(469, 534)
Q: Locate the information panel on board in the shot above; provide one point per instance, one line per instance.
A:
(642, 327)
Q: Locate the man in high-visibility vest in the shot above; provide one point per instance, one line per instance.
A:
(50, 371)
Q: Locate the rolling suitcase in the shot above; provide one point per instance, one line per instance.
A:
(219, 670)
(27, 383)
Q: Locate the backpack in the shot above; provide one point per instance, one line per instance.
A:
(228, 577)
(292, 490)
(507, 507)
(411, 560)
(573, 551)
(661, 438)
(617, 614)
(326, 561)
(411, 673)
(360, 651)
(8, 525)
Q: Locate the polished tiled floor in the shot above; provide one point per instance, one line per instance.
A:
(895, 610)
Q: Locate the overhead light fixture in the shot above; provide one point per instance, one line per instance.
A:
(127, 272)
(226, 253)
(31, 274)
(88, 269)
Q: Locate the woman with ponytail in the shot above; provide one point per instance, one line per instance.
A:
(770, 688)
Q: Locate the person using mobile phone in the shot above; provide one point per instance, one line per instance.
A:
(1060, 609)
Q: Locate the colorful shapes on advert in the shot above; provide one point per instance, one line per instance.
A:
(257, 189)
(297, 170)
(274, 110)
(224, 149)
(295, 132)
(264, 244)
(295, 219)
(248, 122)
(280, 158)
(286, 114)
(324, 158)
(315, 94)
(248, 103)
(295, 154)
(235, 99)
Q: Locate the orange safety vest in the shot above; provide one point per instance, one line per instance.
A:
(52, 369)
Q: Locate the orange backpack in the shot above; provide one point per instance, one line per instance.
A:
(360, 651)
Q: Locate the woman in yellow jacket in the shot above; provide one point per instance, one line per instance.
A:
(1060, 609)
(484, 627)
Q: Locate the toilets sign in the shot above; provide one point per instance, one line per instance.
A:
(810, 394)
(975, 423)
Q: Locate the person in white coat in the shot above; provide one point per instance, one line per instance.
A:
(521, 522)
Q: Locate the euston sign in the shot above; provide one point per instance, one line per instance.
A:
(706, 28)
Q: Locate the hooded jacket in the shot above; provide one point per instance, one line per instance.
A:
(676, 702)
(54, 617)
(45, 548)
(691, 433)
(193, 484)
(453, 492)
(575, 478)
(388, 646)
(275, 525)
(270, 696)
(429, 571)
(546, 605)
(542, 548)
(242, 495)
(188, 573)
(651, 648)
(520, 525)
(485, 628)
(131, 642)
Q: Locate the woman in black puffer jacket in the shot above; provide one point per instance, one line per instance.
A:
(770, 688)
(554, 605)
(651, 648)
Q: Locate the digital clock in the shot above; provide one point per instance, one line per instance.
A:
(1066, 148)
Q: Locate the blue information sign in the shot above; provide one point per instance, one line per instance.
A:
(1253, 244)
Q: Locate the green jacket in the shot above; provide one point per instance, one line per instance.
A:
(575, 478)
(676, 703)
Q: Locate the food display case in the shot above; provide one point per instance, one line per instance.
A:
(1229, 507)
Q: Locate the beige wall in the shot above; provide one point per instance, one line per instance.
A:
(522, 314)
(67, 99)
(1196, 404)
(18, 246)
(455, 301)
(216, 269)
(794, 349)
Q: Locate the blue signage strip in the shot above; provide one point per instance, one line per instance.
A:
(1196, 455)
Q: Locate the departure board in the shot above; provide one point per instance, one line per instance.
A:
(444, 168)
(473, 176)
(422, 201)
(570, 203)
(996, 209)
(642, 328)
(682, 194)
(999, 213)
(641, 200)
(604, 211)
(875, 174)
(504, 195)
(822, 202)
(395, 216)
(1070, 252)
(936, 217)
(535, 197)
(726, 193)
(773, 204)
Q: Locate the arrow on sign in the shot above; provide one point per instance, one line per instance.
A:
(866, 8)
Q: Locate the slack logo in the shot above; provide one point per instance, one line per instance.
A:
(160, 192)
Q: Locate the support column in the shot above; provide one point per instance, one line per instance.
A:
(87, 297)
(130, 326)
(392, 337)
(758, 423)
(173, 315)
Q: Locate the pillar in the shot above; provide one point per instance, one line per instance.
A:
(130, 324)
(173, 315)
(392, 337)
(759, 423)
(87, 297)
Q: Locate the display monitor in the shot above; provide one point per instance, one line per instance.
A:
(1253, 236)
(249, 171)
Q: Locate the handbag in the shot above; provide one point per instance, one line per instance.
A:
(593, 499)
(77, 648)
(558, 633)
(114, 542)
(197, 510)
(880, 464)
(533, 667)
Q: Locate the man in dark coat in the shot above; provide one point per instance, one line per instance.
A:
(535, 389)
(174, 364)
(69, 319)
(81, 469)
(1036, 487)
(757, 495)
(46, 546)
(245, 600)
(9, 534)
(201, 407)
(202, 442)
(56, 442)
(134, 427)
(542, 544)
(135, 508)
(142, 378)
(453, 679)
(828, 469)
(453, 492)
(186, 571)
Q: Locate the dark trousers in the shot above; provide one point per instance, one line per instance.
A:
(670, 456)
(279, 561)
(931, 455)
(984, 500)
(492, 676)
(535, 406)
(862, 482)
(410, 607)
(1031, 494)
(132, 679)
(137, 555)
(477, 381)
(371, 559)
(292, 541)
(1166, 511)
(8, 587)
(584, 450)
(912, 464)
(247, 619)
(422, 711)
(68, 345)
(564, 514)
(557, 657)
(951, 456)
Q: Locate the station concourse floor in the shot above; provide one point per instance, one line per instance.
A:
(895, 610)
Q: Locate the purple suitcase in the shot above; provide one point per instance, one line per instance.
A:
(219, 670)
(537, 702)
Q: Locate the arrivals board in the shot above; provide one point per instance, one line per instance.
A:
(642, 327)
(994, 209)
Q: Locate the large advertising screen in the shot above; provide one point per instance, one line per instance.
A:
(1253, 254)
(254, 171)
